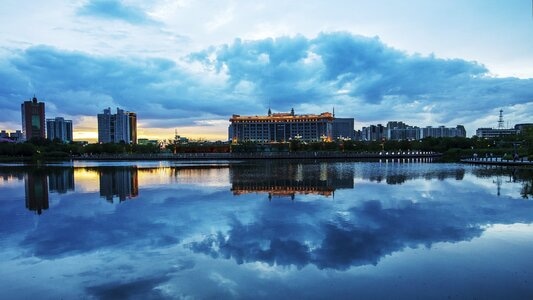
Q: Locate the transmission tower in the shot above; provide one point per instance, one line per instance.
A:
(500, 120)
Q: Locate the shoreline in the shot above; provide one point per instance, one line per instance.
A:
(322, 155)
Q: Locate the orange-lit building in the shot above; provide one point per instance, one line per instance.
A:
(281, 127)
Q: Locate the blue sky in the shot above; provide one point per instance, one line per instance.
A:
(188, 65)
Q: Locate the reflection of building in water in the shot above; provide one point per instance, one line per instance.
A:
(121, 182)
(36, 188)
(400, 175)
(61, 180)
(9, 176)
(287, 180)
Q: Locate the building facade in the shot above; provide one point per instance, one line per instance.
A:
(523, 126)
(397, 130)
(490, 133)
(116, 128)
(33, 119)
(11, 136)
(59, 128)
(374, 133)
(442, 131)
(343, 128)
(281, 127)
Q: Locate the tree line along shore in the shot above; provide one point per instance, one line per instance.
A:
(451, 149)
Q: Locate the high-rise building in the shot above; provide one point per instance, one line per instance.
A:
(374, 133)
(116, 128)
(132, 118)
(442, 131)
(33, 119)
(397, 130)
(59, 128)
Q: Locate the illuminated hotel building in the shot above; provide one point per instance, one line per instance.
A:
(281, 127)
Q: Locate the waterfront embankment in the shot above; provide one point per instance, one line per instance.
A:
(498, 161)
(262, 155)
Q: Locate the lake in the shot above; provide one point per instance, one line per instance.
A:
(267, 229)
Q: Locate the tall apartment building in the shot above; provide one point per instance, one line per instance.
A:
(33, 119)
(374, 133)
(442, 131)
(116, 128)
(283, 127)
(397, 130)
(59, 128)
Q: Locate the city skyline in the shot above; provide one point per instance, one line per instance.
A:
(122, 127)
(189, 66)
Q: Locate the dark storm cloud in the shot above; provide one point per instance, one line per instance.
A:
(366, 69)
(77, 83)
(115, 10)
(272, 66)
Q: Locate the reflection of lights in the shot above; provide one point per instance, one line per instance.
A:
(299, 173)
(323, 171)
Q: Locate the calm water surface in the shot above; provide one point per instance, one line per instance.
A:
(147, 230)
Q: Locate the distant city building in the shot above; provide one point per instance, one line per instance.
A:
(116, 128)
(283, 127)
(59, 128)
(442, 131)
(16, 136)
(374, 133)
(178, 139)
(33, 119)
(343, 128)
(4, 137)
(132, 122)
(489, 133)
(144, 141)
(397, 130)
(521, 127)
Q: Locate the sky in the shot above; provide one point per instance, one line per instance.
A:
(189, 65)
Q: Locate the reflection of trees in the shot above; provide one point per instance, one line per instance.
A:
(401, 174)
(511, 174)
(527, 189)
